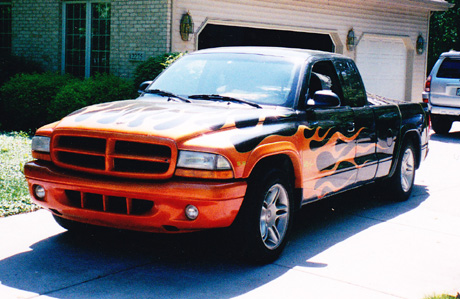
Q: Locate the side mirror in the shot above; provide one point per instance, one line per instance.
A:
(143, 86)
(324, 98)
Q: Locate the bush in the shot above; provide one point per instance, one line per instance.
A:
(98, 89)
(153, 66)
(13, 65)
(29, 101)
(25, 98)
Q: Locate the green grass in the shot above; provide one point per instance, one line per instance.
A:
(14, 194)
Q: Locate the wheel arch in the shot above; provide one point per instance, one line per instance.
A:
(270, 157)
(414, 137)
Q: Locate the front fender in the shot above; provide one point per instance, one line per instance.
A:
(274, 149)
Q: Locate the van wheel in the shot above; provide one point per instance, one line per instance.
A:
(402, 181)
(265, 219)
(440, 124)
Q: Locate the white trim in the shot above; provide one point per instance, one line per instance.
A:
(87, 36)
(88, 30)
(64, 29)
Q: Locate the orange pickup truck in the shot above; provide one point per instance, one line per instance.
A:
(228, 137)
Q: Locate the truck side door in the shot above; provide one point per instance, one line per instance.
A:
(354, 96)
(329, 146)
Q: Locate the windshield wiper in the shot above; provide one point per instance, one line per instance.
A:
(170, 95)
(223, 98)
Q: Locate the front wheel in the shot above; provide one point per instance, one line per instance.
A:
(402, 182)
(265, 218)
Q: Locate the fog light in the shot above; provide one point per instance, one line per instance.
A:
(191, 212)
(39, 192)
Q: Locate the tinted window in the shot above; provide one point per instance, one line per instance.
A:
(450, 68)
(324, 77)
(352, 85)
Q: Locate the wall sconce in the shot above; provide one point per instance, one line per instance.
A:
(420, 45)
(186, 26)
(351, 40)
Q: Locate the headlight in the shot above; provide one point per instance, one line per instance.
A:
(41, 144)
(204, 161)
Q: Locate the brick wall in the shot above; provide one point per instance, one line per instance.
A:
(138, 27)
(36, 31)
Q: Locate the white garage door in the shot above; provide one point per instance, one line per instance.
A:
(382, 63)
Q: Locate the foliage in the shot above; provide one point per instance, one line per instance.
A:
(443, 296)
(14, 195)
(25, 98)
(80, 93)
(29, 101)
(152, 67)
(444, 32)
(12, 65)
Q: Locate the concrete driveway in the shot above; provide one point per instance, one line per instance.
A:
(352, 246)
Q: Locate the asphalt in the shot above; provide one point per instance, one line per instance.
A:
(356, 245)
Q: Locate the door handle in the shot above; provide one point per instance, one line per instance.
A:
(350, 127)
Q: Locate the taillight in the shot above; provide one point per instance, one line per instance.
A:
(428, 84)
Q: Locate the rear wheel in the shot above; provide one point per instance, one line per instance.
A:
(402, 181)
(441, 125)
(265, 218)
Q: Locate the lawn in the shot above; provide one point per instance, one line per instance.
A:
(14, 153)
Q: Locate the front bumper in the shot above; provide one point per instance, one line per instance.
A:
(135, 204)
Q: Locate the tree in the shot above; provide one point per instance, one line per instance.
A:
(444, 32)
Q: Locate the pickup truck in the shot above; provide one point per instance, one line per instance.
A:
(237, 137)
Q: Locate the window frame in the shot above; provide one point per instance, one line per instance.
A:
(88, 35)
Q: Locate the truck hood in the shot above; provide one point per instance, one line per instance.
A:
(172, 120)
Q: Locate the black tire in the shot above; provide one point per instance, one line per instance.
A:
(266, 217)
(440, 125)
(401, 183)
(73, 226)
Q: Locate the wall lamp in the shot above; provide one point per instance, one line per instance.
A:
(351, 40)
(420, 45)
(186, 27)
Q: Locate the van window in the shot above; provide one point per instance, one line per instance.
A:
(450, 68)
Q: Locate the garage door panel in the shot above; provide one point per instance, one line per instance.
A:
(382, 63)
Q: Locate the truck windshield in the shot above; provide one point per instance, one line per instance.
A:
(260, 79)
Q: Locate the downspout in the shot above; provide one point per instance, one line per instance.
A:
(430, 13)
(171, 26)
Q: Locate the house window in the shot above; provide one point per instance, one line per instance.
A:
(86, 38)
(5, 28)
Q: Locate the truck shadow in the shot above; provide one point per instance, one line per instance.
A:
(120, 264)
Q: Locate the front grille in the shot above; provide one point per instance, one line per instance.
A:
(115, 155)
(108, 204)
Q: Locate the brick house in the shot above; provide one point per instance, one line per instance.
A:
(387, 38)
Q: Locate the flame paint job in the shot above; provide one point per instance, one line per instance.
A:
(331, 150)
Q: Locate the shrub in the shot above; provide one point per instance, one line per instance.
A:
(25, 98)
(152, 67)
(13, 65)
(80, 93)
(29, 101)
